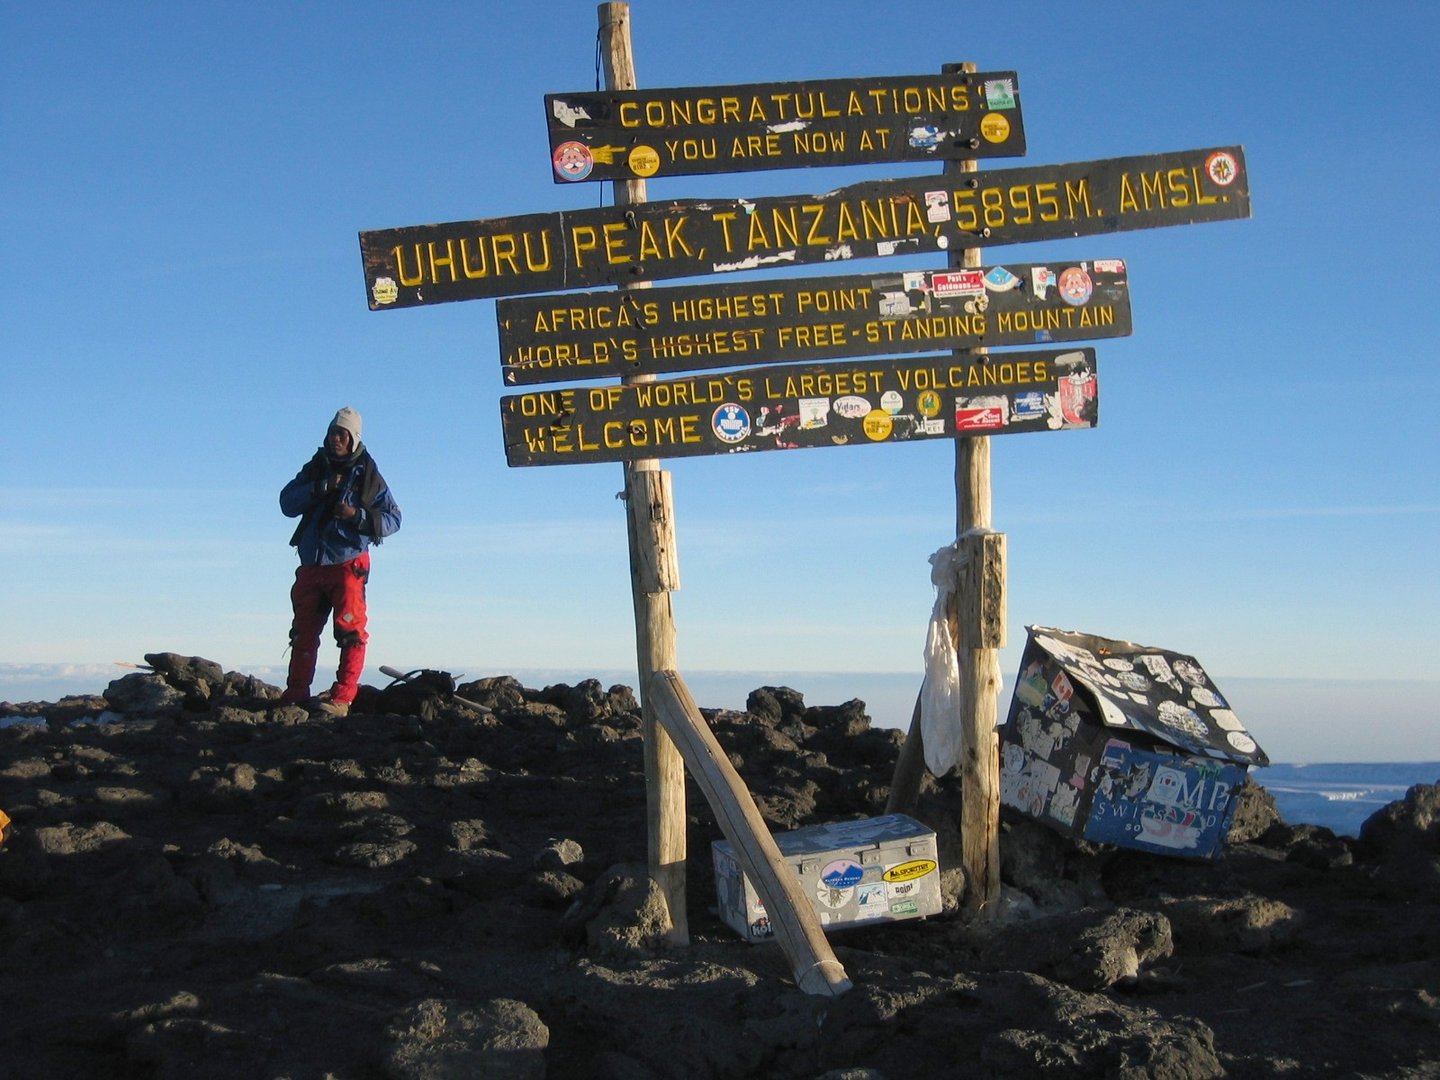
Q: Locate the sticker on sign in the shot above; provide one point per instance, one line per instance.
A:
(959, 283)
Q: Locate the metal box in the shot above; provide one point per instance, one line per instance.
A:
(879, 869)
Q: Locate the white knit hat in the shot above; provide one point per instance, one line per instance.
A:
(347, 419)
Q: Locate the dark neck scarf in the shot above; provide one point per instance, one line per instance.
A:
(345, 461)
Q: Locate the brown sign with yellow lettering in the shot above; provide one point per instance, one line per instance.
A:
(853, 403)
(592, 335)
(431, 264)
(622, 135)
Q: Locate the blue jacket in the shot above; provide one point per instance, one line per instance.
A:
(321, 537)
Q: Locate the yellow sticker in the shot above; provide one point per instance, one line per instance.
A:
(385, 291)
(644, 161)
(928, 403)
(909, 871)
(878, 424)
(995, 127)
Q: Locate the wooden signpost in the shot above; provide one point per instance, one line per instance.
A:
(619, 135)
(788, 339)
(591, 335)
(623, 244)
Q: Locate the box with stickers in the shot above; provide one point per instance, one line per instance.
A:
(1118, 743)
(855, 872)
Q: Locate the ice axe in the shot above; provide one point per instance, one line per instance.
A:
(448, 689)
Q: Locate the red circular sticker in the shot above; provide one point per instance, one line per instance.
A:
(572, 161)
(1075, 286)
(1222, 168)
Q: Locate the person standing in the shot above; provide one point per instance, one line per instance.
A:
(344, 505)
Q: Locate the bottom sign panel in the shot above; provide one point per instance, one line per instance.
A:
(787, 408)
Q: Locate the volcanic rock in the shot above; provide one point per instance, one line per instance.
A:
(451, 881)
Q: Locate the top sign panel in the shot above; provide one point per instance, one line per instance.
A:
(624, 135)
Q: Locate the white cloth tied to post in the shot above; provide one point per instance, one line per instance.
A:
(940, 694)
(941, 726)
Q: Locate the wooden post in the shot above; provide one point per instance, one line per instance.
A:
(653, 573)
(980, 618)
(791, 913)
(979, 682)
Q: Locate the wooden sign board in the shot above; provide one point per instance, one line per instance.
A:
(625, 134)
(855, 403)
(467, 260)
(561, 338)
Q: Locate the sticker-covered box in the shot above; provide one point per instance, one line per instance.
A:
(870, 870)
(1118, 743)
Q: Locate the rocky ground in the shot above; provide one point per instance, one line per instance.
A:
(198, 882)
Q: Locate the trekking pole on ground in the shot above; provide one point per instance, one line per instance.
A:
(405, 676)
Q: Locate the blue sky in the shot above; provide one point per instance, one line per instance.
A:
(185, 310)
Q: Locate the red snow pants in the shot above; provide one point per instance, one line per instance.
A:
(336, 592)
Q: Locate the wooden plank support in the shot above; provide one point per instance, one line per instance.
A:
(909, 766)
(980, 625)
(647, 494)
(981, 591)
(792, 916)
(653, 573)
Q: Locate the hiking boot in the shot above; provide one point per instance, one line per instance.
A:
(331, 708)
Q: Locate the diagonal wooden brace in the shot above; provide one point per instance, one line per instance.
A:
(792, 916)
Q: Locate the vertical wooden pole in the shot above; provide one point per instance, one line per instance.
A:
(651, 529)
(980, 599)
(979, 764)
